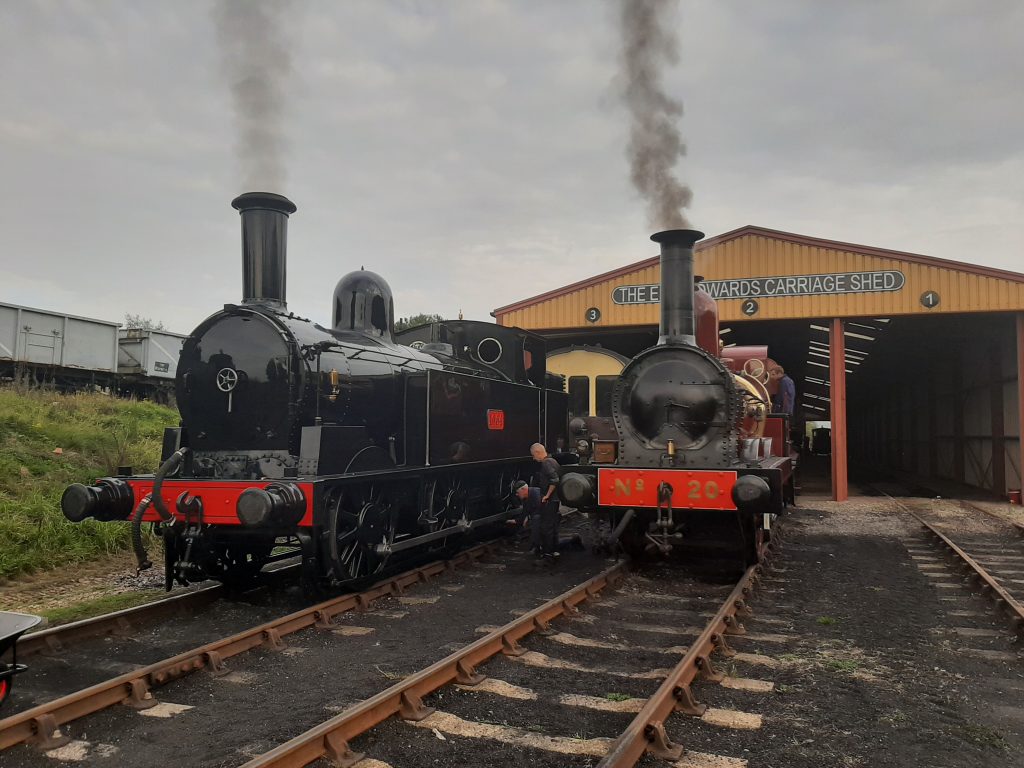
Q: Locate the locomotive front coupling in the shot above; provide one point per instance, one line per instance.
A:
(109, 499)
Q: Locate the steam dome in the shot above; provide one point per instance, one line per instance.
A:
(363, 303)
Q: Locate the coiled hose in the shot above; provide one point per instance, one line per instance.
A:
(141, 556)
(154, 498)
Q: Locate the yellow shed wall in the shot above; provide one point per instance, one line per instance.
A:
(758, 256)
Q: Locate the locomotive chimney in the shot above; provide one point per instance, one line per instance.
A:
(677, 323)
(264, 246)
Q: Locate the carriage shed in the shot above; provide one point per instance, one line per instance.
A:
(917, 362)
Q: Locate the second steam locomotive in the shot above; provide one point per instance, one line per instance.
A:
(339, 443)
(680, 453)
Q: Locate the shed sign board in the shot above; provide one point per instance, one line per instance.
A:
(832, 283)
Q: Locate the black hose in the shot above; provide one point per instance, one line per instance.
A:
(141, 556)
(169, 466)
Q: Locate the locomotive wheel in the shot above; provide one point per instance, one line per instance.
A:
(445, 502)
(359, 524)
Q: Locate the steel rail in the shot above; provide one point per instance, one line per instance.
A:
(1018, 527)
(331, 739)
(40, 724)
(55, 639)
(646, 733)
(989, 585)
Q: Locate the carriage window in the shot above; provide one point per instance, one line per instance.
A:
(605, 385)
(579, 396)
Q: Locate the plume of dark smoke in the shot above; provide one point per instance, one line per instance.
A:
(649, 44)
(257, 64)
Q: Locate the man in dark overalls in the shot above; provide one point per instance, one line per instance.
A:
(545, 477)
(530, 500)
(543, 530)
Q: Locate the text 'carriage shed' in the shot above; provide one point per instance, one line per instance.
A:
(917, 362)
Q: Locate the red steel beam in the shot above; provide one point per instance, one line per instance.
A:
(837, 392)
(1020, 395)
(998, 433)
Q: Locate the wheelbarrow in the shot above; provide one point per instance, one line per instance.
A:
(12, 627)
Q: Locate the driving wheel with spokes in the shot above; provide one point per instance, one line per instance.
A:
(361, 521)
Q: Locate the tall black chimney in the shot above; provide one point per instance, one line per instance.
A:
(677, 324)
(264, 246)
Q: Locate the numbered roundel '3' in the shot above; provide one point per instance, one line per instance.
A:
(227, 379)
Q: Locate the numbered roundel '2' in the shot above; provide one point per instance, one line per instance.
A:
(749, 307)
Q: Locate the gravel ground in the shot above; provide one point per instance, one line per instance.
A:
(878, 654)
(271, 696)
(83, 582)
(880, 671)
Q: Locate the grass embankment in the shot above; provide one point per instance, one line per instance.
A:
(95, 434)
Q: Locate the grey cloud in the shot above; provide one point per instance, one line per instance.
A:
(472, 153)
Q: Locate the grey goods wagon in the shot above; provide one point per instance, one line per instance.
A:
(149, 353)
(64, 349)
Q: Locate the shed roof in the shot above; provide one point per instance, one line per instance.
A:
(760, 252)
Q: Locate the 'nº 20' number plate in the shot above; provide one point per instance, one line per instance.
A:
(691, 489)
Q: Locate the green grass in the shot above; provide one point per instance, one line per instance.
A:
(618, 696)
(101, 605)
(983, 736)
(96, 434)
(826, 621)
(843, 665)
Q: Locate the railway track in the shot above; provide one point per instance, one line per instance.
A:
(40, 725)
(986, 552)
(500, 677)
(55, 640)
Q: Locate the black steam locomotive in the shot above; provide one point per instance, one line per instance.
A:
(342, 442)
(680, 453)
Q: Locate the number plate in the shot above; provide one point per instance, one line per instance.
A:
(691, 489)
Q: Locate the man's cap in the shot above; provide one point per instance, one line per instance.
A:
(519, 484)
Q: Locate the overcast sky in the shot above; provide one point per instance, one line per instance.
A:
(472, 152)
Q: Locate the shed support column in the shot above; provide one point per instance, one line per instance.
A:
(837, 395)
(959, 448)
(1020, 392)
(998, 441)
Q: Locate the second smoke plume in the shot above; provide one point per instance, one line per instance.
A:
(649, 44)
(256, 65)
